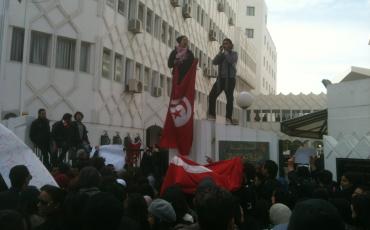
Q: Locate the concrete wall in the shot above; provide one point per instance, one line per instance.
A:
(349, 108)
(266, 50)
(207, 134)
(26, 87)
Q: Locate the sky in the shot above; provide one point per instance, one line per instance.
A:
(318, 39)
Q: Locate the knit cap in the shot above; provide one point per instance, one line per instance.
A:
(279, 214)
(162, 210)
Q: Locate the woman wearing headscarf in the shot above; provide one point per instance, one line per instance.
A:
(181, 57)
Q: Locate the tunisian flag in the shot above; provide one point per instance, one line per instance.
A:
(178, 127)
(188, 174)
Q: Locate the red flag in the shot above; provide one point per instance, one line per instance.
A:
(187, 174)
(178, 127)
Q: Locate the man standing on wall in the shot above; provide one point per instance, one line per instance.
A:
(40, 136)
(226, 60)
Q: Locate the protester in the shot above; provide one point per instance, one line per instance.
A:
(83, 140)
(315, 214)
(19, 178)
(181, 58)
(50, 205)
(162, 216)
(65, 137)
(41, 137)
(226, 60)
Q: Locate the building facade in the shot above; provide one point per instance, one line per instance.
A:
(253, 16)
(268, 111)
(108, 59)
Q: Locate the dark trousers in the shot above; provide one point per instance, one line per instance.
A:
(45, 150)
(222, 84)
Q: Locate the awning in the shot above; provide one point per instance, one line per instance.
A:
(312, 125)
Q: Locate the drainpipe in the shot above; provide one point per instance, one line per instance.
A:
(22, 79)
(4, 7)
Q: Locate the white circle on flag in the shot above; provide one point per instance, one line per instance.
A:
(181, 111)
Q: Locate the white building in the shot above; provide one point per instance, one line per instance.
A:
(93, 55)
(252, 17)
(268, 111)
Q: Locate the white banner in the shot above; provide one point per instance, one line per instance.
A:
(113, 154)
(13, 151)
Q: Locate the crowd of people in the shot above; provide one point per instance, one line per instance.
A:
(94, 195)
(65, 136)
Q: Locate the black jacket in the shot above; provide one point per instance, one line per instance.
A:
(183, 67)
(65, 136)
(84, 137)
(40, 132)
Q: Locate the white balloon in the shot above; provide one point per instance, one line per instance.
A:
(245, 99)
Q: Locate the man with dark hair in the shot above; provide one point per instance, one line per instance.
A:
(83, 139)
(11, 220)
(215, 209)
(19, 178)
(65, 137)
(269, 171)
(226, 61)
(315, 214)
(40, 135)
(50, 207)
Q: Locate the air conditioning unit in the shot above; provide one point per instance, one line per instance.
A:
(157, 92)
(212, 35)
(175, 3)
(220, 7)
(135, 26)
(231, 22)
(186, 11)
(135, 86)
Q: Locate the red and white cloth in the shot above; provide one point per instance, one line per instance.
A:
(178, 127)
(188, 174)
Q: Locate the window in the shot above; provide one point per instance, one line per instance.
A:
(161, 81)
(146, 79)
(149, 21)
(249, 33)
(16, 50)
(84, 56)
(110, 3)
(122, 7)
(129, 70)
(65, 56)
(250, 10)
(118, 68)
(157, 26)
(141, 12)
(106, 63)
(164, 31)
(39, 53)
(138, 71)
(170, 36)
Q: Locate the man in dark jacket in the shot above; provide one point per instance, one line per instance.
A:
(19, 179)
(65, 137)
(83, 139)
(226, 60)
(40, 136)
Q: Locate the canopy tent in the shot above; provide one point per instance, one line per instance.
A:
(312, 125)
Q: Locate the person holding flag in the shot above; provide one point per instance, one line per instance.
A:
(178, 127)
(181, 57)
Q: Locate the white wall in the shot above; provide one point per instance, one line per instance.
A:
(264, 49)
(104, 102)
(349, 108)
(207, 134)
(348, 122)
